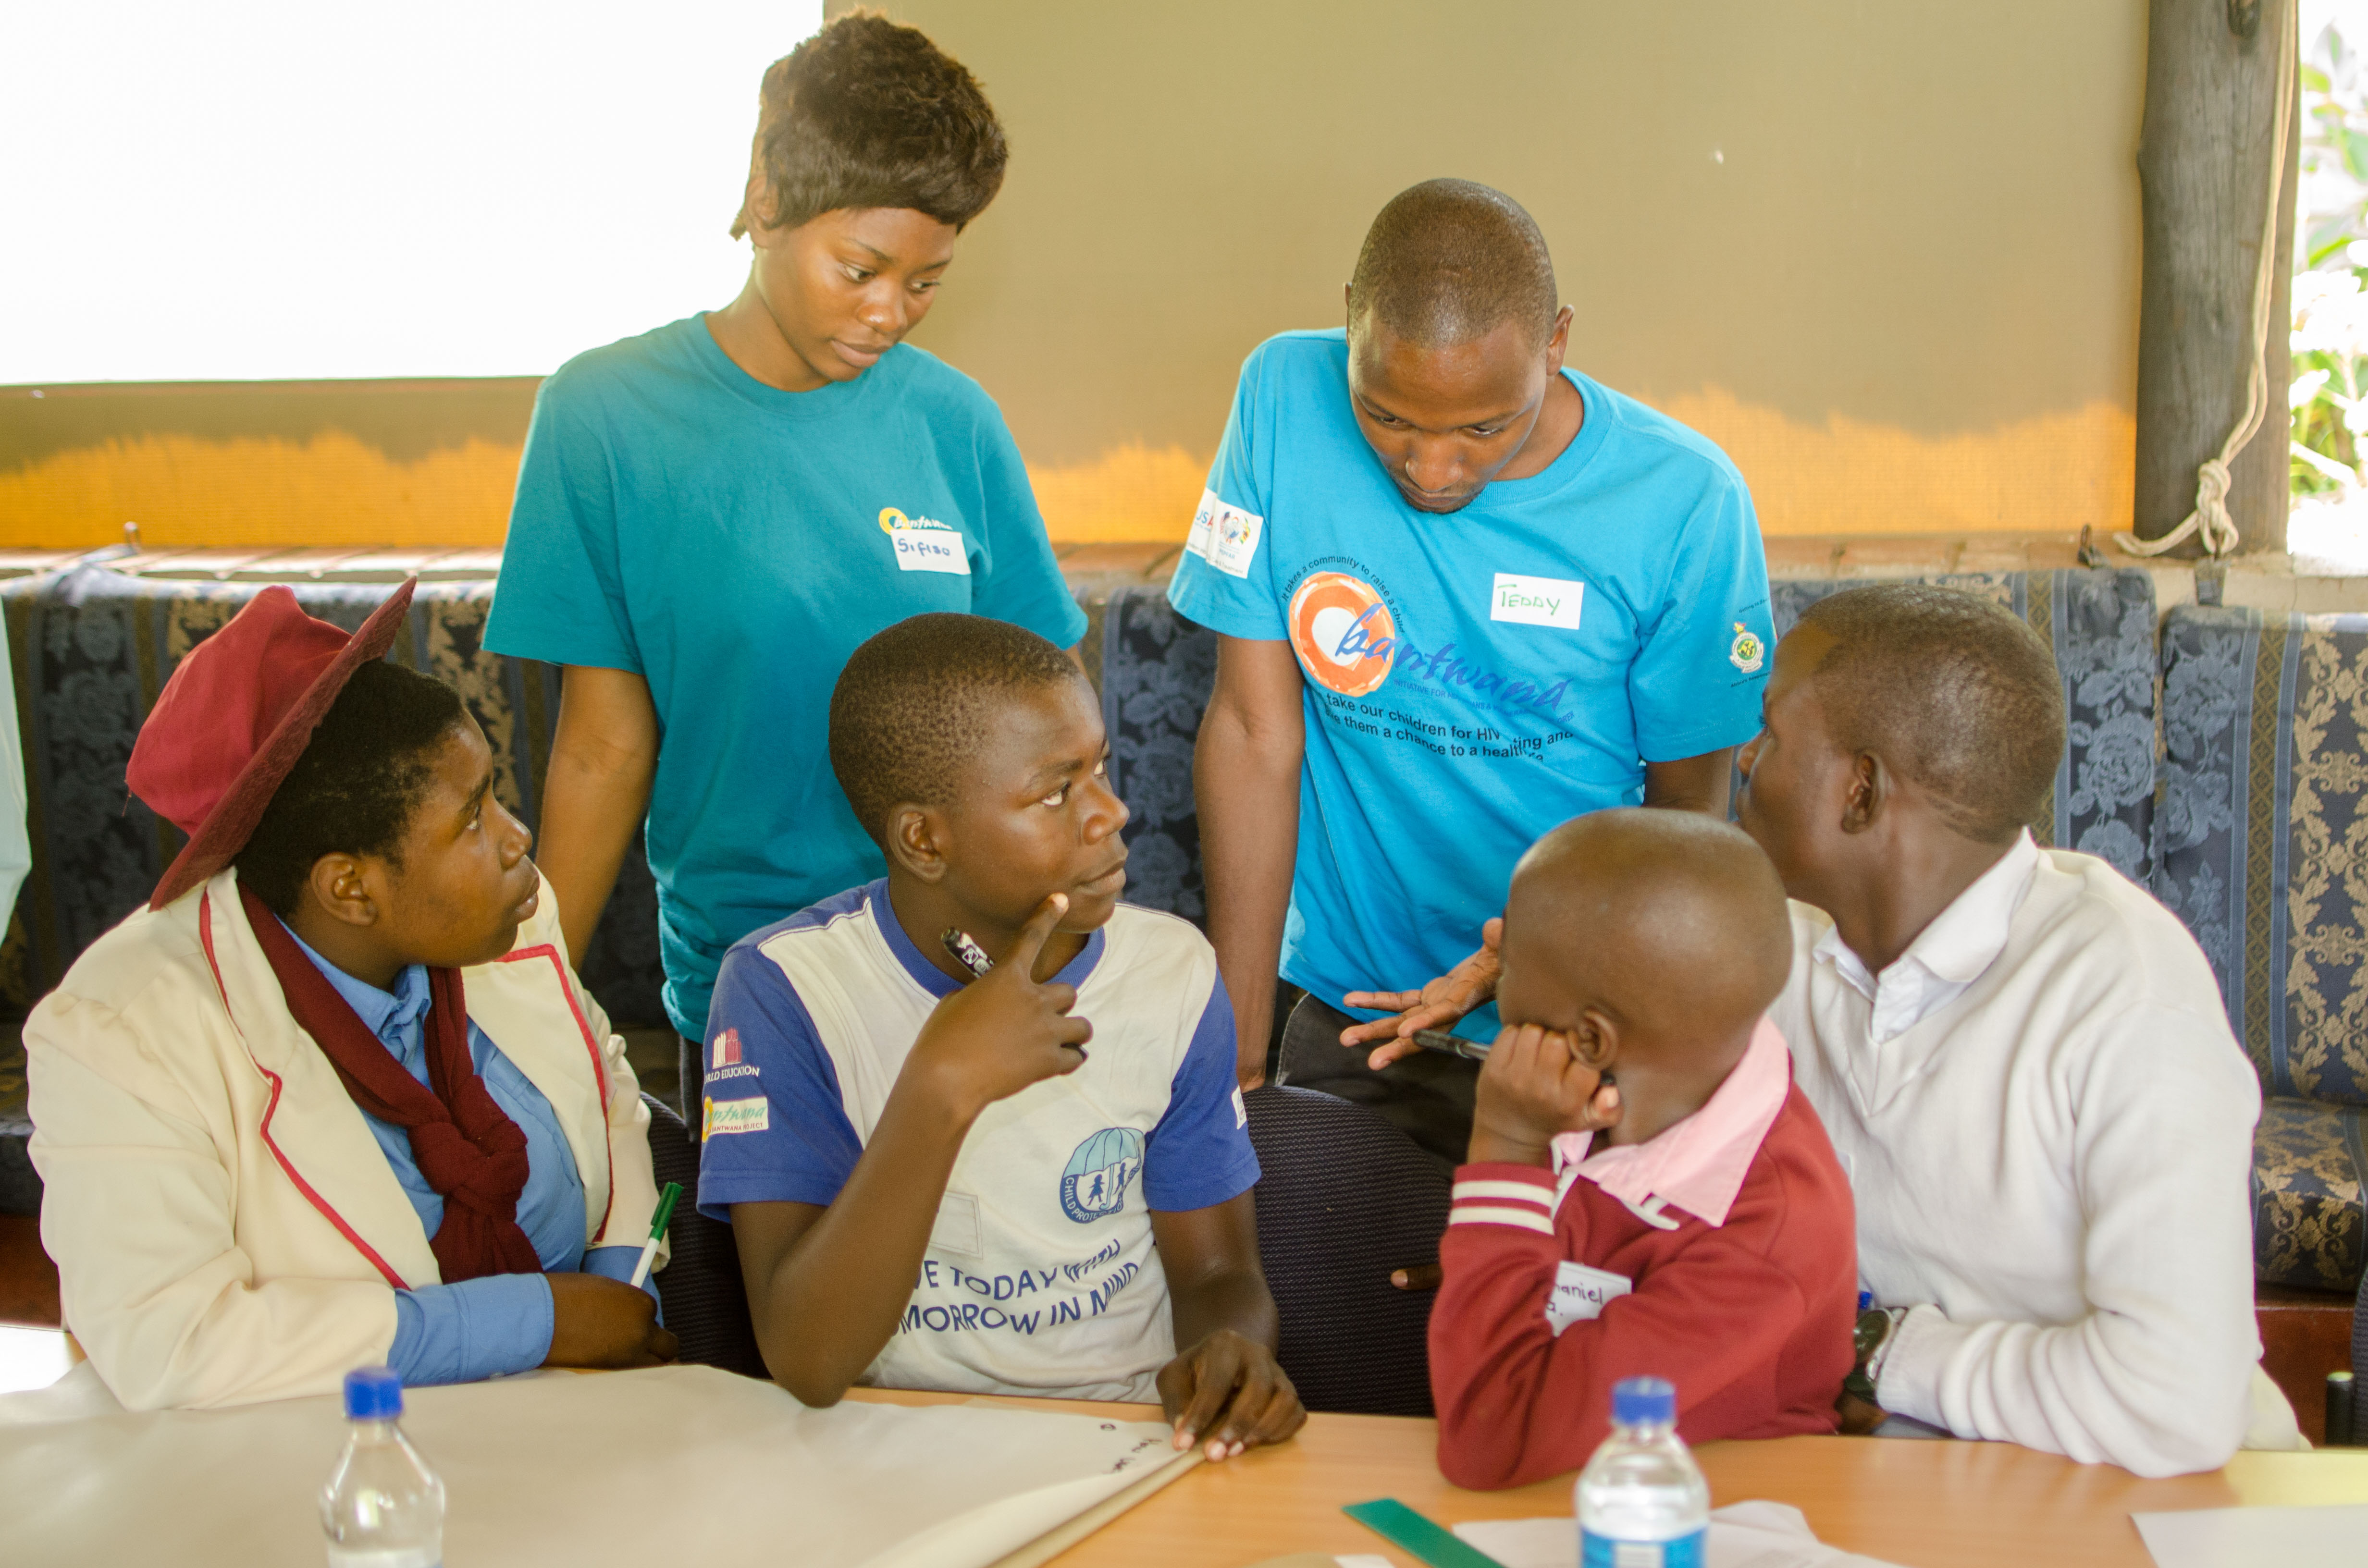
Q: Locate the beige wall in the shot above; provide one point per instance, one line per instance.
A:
(1885, 252)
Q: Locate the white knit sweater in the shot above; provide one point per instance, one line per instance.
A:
(2051, 1160)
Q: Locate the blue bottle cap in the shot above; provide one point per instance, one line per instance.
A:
(373, 1393)
(1637, 1401)
(1865, 1300)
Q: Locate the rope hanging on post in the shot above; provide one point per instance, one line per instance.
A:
(2211, 518)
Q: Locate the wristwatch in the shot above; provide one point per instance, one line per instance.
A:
(1877, 1328)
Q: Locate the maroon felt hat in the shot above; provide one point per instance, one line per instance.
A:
(237, 713)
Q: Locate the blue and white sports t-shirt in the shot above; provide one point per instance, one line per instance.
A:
(1474, 678)
(1040, 1276)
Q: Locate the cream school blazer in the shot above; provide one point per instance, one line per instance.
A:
(225, 1228)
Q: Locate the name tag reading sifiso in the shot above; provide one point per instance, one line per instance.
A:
(1536, 601)
(930, 550)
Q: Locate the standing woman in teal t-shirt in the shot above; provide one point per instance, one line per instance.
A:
(712, 515)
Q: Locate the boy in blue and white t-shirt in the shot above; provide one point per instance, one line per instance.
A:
(933, 1182)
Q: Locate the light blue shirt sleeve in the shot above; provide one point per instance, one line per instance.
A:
(1250, 605)
(1199, 1155)
(478, 1329)
(1695, 686)
(617, 1263)
(561, 598)
(1022, 583)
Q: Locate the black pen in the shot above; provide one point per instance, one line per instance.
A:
(967, 953)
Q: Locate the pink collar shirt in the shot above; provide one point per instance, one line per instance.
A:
(1699, 1163)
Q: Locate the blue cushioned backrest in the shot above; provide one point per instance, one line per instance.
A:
(1157, 670)
(2099, 625)
(2264, 832)
(92, 648)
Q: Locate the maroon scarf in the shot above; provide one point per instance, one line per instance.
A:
(471, 1152)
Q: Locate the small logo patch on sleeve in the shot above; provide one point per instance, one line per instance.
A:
(1747, 652)
(1225, 535)
(1241, 1111)
(735, 1116)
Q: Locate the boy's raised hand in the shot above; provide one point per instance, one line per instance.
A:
(999, 1034)
(1532, 1087)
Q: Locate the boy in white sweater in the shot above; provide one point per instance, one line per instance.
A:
(2022, 1058)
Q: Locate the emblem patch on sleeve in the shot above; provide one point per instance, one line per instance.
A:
(735, 1116)
(1225, 535)
(1748, 653)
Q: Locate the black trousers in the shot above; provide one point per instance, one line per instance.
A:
(1427, 1095)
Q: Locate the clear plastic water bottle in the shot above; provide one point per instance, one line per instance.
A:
(1642, 1502)
(382, 1507)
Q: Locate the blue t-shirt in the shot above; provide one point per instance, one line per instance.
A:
(731, 544)
(1041, 1275)
(1474, 679)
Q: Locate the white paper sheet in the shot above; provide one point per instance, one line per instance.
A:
(2257, 1538)
(1742, 1535)
(683, 1464)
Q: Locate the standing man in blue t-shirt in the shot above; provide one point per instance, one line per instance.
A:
(712, 516)
(1461, 593)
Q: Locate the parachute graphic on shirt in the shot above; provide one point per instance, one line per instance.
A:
(1094, 1184)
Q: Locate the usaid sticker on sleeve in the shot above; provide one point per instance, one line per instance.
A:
(1580, 1294)
(1536, 601)
(930, 550)
(1225, 535)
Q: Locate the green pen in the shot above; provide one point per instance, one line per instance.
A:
(657, 1232)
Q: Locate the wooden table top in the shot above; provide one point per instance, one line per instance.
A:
(1919, 1504)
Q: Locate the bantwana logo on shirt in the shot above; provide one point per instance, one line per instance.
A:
(1094, 1182)
(891, 519)
(1343, 634)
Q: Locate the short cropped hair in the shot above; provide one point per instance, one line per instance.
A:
(908, 711)
(1954, 691)
(867, 113)
(1450, 260)
(355, 787)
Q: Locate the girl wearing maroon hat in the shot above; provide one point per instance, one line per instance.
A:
(334, 1098)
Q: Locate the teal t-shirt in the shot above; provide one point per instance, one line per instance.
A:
(1472, 679)
(733, 543)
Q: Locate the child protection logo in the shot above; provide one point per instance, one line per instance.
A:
(1094, 1183)
(1343, 634)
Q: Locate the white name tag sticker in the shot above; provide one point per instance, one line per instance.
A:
(1536, 601)
(930, 550)
(1580, 1294)
(1225, 535)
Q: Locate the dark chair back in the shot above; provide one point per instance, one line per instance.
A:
(706, 1305)
(1345, 1200)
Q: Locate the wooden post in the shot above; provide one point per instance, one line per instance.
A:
(2204, 178)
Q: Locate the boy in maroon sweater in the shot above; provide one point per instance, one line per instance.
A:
(1648, 1192)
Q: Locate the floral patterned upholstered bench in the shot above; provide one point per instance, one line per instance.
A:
(1157, 670)
(2263, 845)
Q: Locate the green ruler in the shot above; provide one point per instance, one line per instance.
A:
(1402, 1526)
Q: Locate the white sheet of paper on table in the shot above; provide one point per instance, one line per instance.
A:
(1756, 1534)
(2245, 1538)
(672, 1464)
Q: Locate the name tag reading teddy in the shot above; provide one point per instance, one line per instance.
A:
(1580, 1294)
